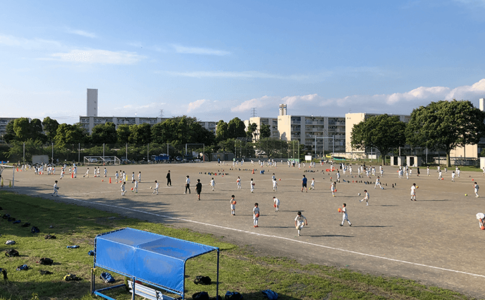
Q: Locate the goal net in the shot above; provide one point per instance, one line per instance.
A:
(101, 160)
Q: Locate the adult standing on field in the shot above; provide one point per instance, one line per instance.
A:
(198, 189)
(169, 181)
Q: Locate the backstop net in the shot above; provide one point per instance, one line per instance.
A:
(101, 160)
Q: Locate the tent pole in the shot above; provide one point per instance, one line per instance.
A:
(217, 283)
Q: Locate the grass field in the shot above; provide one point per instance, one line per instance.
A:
(240, 270)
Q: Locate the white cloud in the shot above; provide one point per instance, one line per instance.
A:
(396, 103)
(196, 105)
(82, 33)
(198, 50)
(29, 44)
(93, 56)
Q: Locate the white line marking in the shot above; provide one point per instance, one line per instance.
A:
(288, 239)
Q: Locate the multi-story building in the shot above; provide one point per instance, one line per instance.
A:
(211, 126)
(3, 126)
(259, 121)
(88, 122)
(352, 119)
(317, 133)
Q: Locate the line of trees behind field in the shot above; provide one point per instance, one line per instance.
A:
(42, 137)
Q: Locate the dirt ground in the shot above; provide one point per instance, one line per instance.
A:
(435, 240)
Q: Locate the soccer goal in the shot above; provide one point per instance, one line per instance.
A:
(101, 160)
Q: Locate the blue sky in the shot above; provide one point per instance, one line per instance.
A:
(218, 59)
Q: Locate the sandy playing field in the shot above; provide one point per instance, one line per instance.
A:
(435, 240)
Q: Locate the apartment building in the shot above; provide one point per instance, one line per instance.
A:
(317, 133)
(259, 121)
(3, 125)
(211, 126)
(88, 122)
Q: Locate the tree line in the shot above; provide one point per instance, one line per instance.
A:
(439, 126)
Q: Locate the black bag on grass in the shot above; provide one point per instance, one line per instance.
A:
(46, 261)
(25, 225)
(42, 272)
(200, 296)
(71, 277)
(5, 216)
(34, 229)
(50, 237)
(11, 253)
(4, 273)
(233, 296)
(204, 280)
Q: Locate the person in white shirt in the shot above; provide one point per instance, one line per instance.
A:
(252, 186)
(139, 176)
(275, 185)
(94, 172)
(333, 189)
(338, 176)
(378, 182)
(458, 172)
(481, 219)
(413, 192)
(345, 216)
(133, 177)
(256, 214)
(300, 222)
(427, 171)
(453, 176)
(233, 206)
(56, 188)
(238, 181)
(117, 175)
(62, 174)
(135, 187)
(483, 171)
(87, 173)
(476, 189)
(366, 198)
(105, 172)
(439, 175)
(213, 183)
(312, 185)
(123, 191)
(187, 185)
(350, 170)
(155, 190)
(276, 203)
(99, 172)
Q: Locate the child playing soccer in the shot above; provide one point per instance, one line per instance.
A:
(276, 203)
(481, 219)
(332, 188)
(252, 186)
(123, 191)
(378, 182)
(345, 215)
(233, 206)
(105, 172)
(275, 185)
(133, 177)
(238, 181)
(312, 186)
(135, 187)
(476, 189)
(413, 192)
(255, 215)
(304, 184)
(117, 175)
(300, 221)
(139, 176)
(213, 183)
(155, 191)
(56, 188)
(366, 198)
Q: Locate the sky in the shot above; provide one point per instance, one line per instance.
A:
(216, 60)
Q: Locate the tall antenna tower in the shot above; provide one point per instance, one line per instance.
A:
(253, 112)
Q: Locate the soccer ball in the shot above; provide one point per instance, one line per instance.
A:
(466, 194)
(358, 194)
(482, 228)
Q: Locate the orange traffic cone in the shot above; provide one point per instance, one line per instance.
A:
(72, 175)
(253, 171)
(110, 180)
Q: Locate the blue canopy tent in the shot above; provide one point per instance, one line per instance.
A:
(147, 257)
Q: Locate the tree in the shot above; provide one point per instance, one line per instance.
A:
(236, 128)
(251, 131)
(140, 134)
(21, 127)
(69, 134)
(9, 135)
(50, 128)
(104, 133)
(123, 134)
(36, 131)
(382, 132)
(445, 125)
(265, 131)
(221, 131)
